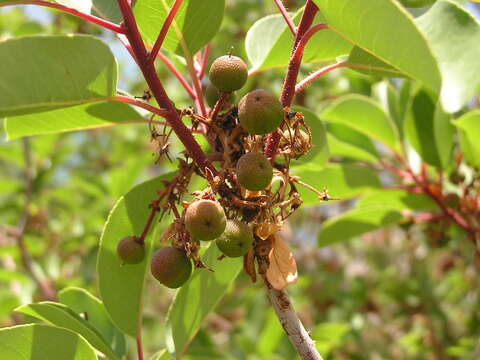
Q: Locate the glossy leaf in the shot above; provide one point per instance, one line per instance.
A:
(43, 342)
(108, 9)
(73, 118)
(429, 131)
(120, 285)
(342, 181)
(197, 22)
(161, 355)
(348, 143)
(269, 42)
(356, 222)
(40, 73)
(398, 199)
(81, 5)
(365, 116)
(319, 152)
(366, 63)
(387, 31)
(61, 316)
(93, 311)
(197, 298)
(469, 130)
(457, 51)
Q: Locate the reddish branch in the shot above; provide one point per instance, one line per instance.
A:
(316, 75)
(143, 105)
(158, 91)
(204, 60)
(164, 30)
(93, 19)
(285, 15)
(293, 68)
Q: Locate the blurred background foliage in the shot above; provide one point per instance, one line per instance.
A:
(404, 292)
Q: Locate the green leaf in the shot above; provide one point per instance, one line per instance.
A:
(81, 5)
(327, 336)
(397, 199)
(349, 143)
(456, 50)
(197, 298)
(42, 342)
(429, 131)
(108, 9)
(364, 115)
(342, 181)
(387, 31)
(366, 63)
(161, 355)
(356, 222)
(73, 118)
(93, 310)
(269, 42)
(41, 73)
(319, 153)
(197, 21)
(121, 286)
(469, 130)
(61, 316)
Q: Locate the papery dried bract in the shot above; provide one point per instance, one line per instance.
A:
(265, 230)
(282, 269)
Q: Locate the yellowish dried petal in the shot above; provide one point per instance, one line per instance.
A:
(283, 268)
(264, 230)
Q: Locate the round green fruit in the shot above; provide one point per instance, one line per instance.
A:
(260, 112)
(171, 267)
(205, 220)
(130, 250)
(254, 171)
(236, 240)
(212, 95)
(417, 3)
(228, 73)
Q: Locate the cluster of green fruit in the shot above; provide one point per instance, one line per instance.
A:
(259, 113)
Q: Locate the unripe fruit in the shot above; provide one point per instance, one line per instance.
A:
(254, 171)
(260, 112)
(205, 219)
(212, 95)
(236, 240)
(171, 267)
(228, 73)
(130, 250)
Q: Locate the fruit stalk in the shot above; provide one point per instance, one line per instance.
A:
(291, 78)
(158, 91)
(292, 325)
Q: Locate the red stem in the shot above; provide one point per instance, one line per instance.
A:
(316, 75)
(139, 347)
(177, 74)
(298, 52)
(203, 65)
(285, 15)
(143, 105)
(93, 19)
(291, 78)
(164, 30)
(156, 87)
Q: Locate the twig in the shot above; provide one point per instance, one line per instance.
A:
(288, 91)
(292, 325)
(138, 341)
(164, 30)
(285, 15)
(299, 87)
(219, 105)
(44, 286)
(158, 91)
(141, 104)
(93, 19)
(204, 60)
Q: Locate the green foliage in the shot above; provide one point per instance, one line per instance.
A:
(44, 342)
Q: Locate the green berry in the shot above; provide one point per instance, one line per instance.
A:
(212, 95)
(171, 267)
(228, 73)
(254, 171)
(236, 240)
(130, 250)
(260, 112)
(205, 219)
